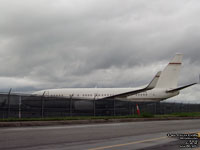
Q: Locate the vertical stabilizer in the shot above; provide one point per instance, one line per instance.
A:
(154, 82)
(169, 76)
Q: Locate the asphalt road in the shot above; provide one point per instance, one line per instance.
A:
(114, 136)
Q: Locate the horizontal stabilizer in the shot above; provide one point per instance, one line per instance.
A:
(180, 88)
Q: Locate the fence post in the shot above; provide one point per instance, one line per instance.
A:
(94, 105)
(70, 105)
(129, 107)
(8, 111)
(42, 105)
(114, 106)
(20, 103)
(198, 107)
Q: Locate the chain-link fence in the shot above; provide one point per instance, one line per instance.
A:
(17, 106)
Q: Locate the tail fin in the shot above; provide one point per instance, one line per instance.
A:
(154, 81)
(169, 76)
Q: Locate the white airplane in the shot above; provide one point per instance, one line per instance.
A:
(163, 86)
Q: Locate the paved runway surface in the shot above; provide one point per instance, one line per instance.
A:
(115, 136)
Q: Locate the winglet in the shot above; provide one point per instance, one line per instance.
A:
(154, 82)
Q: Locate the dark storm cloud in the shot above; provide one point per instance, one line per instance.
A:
(74, 43)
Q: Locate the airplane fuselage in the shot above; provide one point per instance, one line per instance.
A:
(99, 93)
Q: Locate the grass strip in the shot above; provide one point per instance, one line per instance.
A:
(181, 114)
(143, 115)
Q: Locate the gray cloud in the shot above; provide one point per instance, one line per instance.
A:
(65, 43)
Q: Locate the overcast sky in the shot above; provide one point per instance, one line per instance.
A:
(97, 43)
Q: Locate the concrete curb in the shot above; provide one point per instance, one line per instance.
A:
(93, 121)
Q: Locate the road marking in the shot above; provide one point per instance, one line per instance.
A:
(130, 143)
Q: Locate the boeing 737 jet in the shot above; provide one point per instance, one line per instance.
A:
(163, 86)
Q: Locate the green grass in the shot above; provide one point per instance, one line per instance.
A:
(183, 114)
(143, 115)
(146, 115)
(73, 118)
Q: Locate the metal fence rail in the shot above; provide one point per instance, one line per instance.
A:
(17, 106)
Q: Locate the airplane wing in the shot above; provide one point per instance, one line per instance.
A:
(180, 88)
(150, 86)
(9, 93)
(15, 94)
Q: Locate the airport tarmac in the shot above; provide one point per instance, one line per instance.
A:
(113, 136)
